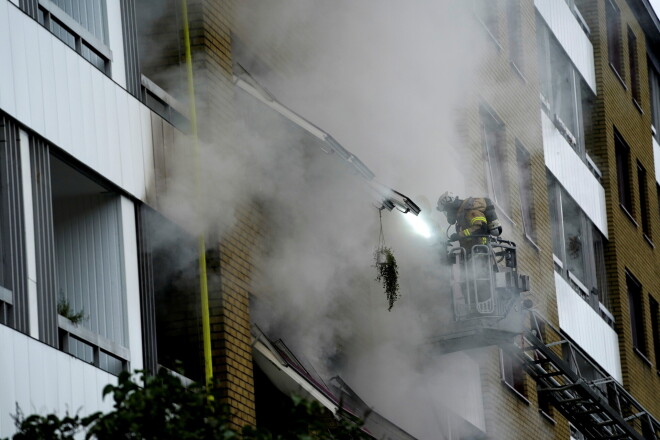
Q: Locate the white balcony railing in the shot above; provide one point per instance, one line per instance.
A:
(586, 327)
(573, 174)
(572, 36)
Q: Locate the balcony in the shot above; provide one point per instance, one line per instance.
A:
(573, 174)
(585, 326)
(43, 379)
(571, 33)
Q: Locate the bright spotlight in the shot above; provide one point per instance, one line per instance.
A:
(419, 225)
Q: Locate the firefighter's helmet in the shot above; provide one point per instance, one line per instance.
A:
(446, 199)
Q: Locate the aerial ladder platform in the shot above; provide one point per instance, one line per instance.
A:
(489, 309)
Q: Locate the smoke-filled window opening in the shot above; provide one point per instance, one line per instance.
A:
(566, 97)
(493, 138)
(81, 25)
(578, 249)
(513, 373)
(654, 310)
(623, 175)
(654, 96)
(89, 268)
(527, 205)
(636, 309)
(633, 66)
(644, 211)
(161, 59)
(614, 40)
(513, 19)
(488, 15)
(169, 284)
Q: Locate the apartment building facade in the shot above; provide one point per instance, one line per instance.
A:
(562, 130)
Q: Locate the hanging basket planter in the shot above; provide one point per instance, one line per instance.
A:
(388, 273)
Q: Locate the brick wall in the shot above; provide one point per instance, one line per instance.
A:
(628, 249)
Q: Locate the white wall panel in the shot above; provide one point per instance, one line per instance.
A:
(656, 159)
(132, 280)
(35, 79)
(147, 149)
(7, 383)
(573, 39)
(587, 328)
(573, 174)
(51, 89)
(41, 378)
(116, 42)
(49, 93)
(7, 100)
(78, 141)
(112, 151)
(61, 82)
(17, 24)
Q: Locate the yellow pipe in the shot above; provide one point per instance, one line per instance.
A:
(203, 283)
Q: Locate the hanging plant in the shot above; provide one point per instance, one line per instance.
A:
(388, 274)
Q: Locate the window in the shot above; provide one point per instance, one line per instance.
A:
(512, 373)
(90, 290)
(578, 246)
(486, 11)
(614, 43)
(635, 302)
(567, 98)
(654, 94)
(513, 18)
(655, 330)
(494, 143)
(169, 295)
(526, 193)
(623, 174)
(643, 200)
(633, 66)
(82, 25)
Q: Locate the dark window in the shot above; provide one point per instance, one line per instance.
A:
(633, 65)
(599, 263)
(494, 142)
(526, 194)
(90, 14)
(623, 173)
(635, 302)
(655, 330)
(614, 43)
(643, 200)
(654, 92)
(512, 372)
(486, 11)
(170, 295)
(513, 18)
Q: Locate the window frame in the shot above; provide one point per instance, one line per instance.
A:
(642, 188)
(633, 66)
(514, 29)
(624, 175)
(490, 20)
(512, 375)
(614, 39)
(527, 203)
(654, 311)
(636, 315)
(495, 159)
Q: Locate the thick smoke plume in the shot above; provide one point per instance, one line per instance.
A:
(389, 80)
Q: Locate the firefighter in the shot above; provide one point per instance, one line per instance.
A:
(472, 216)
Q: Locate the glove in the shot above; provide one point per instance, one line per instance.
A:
(453, 237)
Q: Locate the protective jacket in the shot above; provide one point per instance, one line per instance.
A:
(470, 220)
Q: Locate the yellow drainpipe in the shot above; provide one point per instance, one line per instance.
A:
(203, 283)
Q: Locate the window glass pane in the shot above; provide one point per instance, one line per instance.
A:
(526, 193)
(599, 261)
(654, 86)
(563, 88)
(636, 314)
(614, 37)
(515, 32)
(495, 154)
(623, 173)
(632, 62)
(486, 10)
(655, 329)
(554, 206)
(643, 200)
(574, 238)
